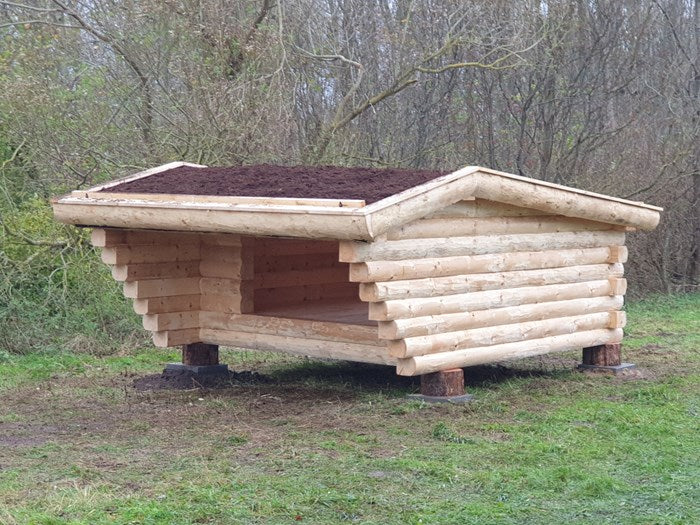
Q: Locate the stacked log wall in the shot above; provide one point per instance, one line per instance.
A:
(173, 277)
(198, 287)
(292, 271)
(480, 281)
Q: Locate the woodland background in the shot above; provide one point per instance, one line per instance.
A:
(602, 95)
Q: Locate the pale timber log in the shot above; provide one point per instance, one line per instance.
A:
(450, 341)
(161, 287)
(110, 237)
(270, 297)
(466, 226)
(300, 328)
(335, 274)
(160, 305)
(221, 199)
(176, 337)
(285, 263)
(351, 251)
(527, 193)
(382, 271)
(140, 254)
(286, 247)
(363, 353)
(404, 308)
(137, 272)
(412, 204)
(201, 215)
(477, 208)
(439, 286)
(490, 354)
(171, 321)
(437, 324)
(218, 268)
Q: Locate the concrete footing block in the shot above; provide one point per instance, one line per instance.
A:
(612, 369)
(196, 370)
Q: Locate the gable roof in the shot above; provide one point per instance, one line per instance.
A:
(337, 218)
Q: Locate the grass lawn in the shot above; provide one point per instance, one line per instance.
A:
(331, 443)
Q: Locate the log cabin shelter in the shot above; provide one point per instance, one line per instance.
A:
(465, 268)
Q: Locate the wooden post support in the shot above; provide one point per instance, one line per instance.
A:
(603, 355)
(604, 358)
(443, 386)
(446, 383)
(200, 364)
(200, 354)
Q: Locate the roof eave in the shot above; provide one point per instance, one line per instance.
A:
(311, 222)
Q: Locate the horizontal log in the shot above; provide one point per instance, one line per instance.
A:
(301, 346)
(200, 215)
(434, 287)
(231, 303)
(451, 341)
(427, 364)
(266, 297)
(405, 308)
(304, 261)
(221, 286)
(419, 201)
(226, 199)
(176, 337)
(124, 254)
(382, 271)
(465, 226)
(223, 269)
(436, 324)
(171, 321)
(301, 277)
(301, 328)
(159, 305)
(136, 272)
(220, 239)
(528, 193)
(109, 237)
(161, 287)
(223, 254)
(277, 246)
(476, 208)
(352, 251)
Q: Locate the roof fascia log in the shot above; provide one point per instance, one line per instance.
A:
(364, 223)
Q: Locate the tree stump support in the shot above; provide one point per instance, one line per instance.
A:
(605, 358)
(446, 386)
(198, 360)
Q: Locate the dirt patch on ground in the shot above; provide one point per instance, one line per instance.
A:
(169, 380)
(318, 182)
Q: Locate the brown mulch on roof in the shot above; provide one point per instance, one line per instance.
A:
(265, 180)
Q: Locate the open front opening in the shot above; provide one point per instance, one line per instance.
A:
(303, 279)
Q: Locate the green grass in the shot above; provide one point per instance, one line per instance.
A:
(338, 443)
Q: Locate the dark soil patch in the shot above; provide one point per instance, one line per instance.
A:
(188, 381)
(265, 180)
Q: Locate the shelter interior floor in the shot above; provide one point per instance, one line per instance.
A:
(329, 310)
